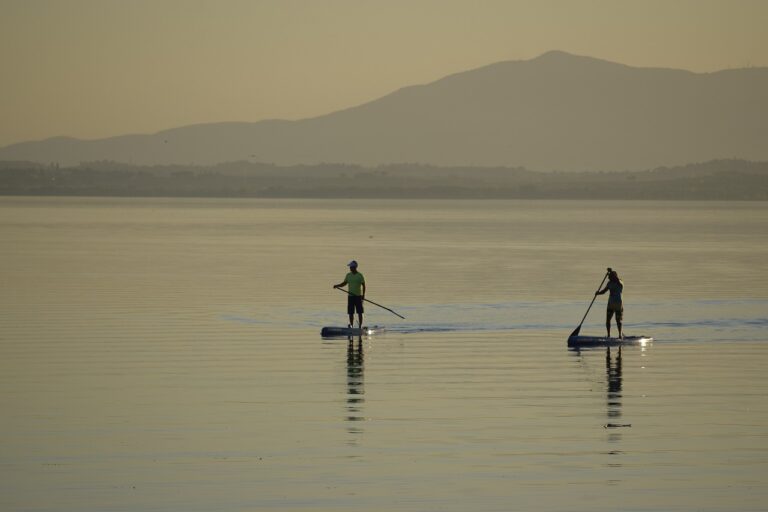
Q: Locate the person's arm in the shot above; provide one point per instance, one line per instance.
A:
(363, 289)
(602, 291)
(344, 282)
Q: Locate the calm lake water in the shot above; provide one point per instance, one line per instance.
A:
(164, 355)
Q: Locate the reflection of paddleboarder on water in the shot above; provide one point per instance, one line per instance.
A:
(355, 390)
(615, 305)
(355, 283)
(613, 373)
(355, 361)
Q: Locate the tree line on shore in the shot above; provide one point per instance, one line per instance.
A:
(714, 180)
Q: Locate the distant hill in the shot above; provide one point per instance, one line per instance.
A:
(715, 180)
(555, 112)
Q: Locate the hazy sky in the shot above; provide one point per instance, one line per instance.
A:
(96, 68)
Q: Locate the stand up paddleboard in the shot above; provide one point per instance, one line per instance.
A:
(344, 332)
(574, 340)
(602, 341)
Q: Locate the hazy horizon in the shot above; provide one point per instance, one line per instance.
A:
(90, 70)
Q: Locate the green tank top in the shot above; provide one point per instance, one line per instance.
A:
(355, 283)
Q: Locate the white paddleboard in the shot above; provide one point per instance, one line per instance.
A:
(343, 332)
(602, 341)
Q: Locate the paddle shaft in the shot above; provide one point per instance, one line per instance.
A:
(374, 303)
(576, 331)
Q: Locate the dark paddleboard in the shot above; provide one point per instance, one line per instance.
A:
(602, 341)
(343, 332)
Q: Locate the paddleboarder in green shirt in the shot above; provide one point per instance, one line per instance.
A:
(355, 283)
(615, 304)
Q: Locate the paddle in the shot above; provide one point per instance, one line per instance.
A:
(375, 304)
(576, 331)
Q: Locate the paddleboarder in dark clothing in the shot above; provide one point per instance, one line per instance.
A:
(615, 304)
(355, 283)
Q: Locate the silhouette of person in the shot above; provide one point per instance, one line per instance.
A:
(355, 282)
(615, 304)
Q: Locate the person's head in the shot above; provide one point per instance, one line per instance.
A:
(613, 275)
(352, 266)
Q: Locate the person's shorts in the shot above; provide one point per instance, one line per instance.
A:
(618, 308)
(354, 303)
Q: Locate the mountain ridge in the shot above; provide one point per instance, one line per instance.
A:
(557, 111)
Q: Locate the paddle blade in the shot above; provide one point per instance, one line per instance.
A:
(576, 331)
